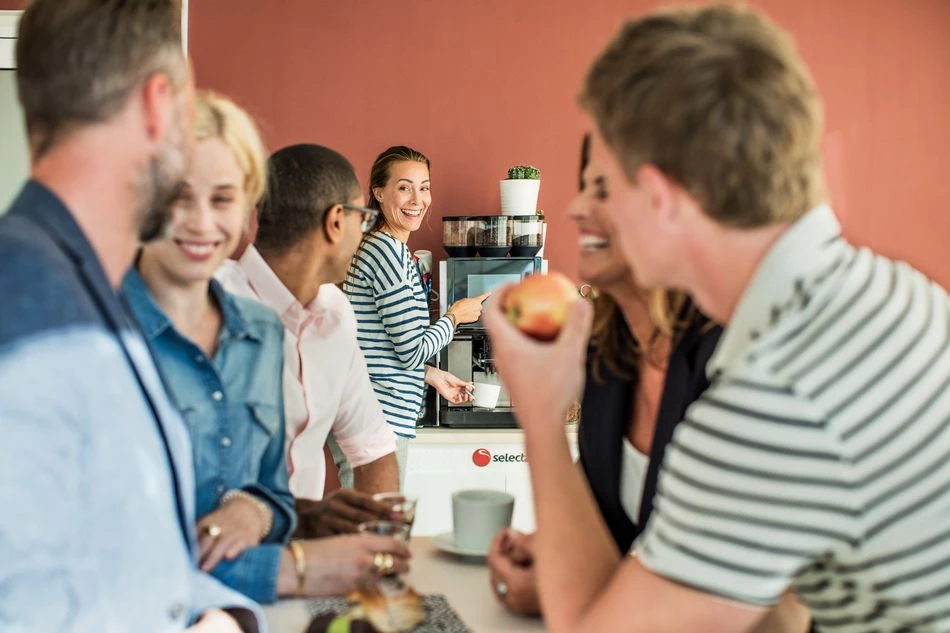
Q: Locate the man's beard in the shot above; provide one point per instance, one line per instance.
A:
(160, 186)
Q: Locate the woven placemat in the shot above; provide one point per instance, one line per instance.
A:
(440, 616)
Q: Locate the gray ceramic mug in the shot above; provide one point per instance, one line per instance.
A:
(478, 515)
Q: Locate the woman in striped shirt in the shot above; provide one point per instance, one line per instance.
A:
(389, 301)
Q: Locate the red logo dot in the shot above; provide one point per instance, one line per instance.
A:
(481, 457)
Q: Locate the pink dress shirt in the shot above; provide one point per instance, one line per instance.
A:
(326, 385)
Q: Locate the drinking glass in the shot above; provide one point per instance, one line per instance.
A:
(403, 506)
(393, 529)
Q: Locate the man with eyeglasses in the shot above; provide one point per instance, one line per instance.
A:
(310, 224)
(368, 215)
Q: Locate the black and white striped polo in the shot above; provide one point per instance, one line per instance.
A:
(819, 459)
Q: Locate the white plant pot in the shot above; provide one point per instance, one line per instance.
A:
(519, 197)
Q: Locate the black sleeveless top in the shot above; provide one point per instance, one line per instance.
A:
(605, 415)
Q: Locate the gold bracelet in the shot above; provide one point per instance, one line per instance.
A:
(455, 322)
(300, 564)
(262, 508)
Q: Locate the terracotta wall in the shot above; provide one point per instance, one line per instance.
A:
(483, 85)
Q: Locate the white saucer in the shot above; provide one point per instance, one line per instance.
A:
(446, 543)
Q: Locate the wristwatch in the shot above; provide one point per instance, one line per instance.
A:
(455, 322)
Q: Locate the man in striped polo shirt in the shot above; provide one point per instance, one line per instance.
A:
(817, 462)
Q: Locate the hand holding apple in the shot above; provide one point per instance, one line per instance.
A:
(539, 305)
(543, 378)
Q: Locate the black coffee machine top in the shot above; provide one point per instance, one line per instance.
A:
(492, 235)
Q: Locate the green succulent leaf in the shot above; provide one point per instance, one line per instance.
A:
(524, 172)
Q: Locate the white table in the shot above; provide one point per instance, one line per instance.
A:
(463, 583)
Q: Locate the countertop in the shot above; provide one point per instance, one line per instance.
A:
(463, 582)
(446, 435)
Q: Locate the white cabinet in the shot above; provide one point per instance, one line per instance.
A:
(442, 461)
(14, 157)
(8, 26)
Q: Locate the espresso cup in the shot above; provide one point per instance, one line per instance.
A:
(478, 515)
(486, 395)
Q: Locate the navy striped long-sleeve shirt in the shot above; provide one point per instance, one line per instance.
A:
(394, 332)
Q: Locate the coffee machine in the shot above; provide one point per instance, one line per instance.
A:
(469, 355)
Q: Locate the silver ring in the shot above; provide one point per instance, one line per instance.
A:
(501, 588)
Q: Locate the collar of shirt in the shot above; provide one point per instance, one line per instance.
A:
(784, 277)
(38, 204)
(43, 206)
(154, 321)
(273, 293)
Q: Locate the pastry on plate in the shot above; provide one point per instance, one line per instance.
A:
(390, 605)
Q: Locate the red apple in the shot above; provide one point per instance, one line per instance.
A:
(539, 305)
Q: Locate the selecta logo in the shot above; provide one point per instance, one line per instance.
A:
(482, 457)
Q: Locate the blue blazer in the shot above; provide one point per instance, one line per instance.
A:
(97, 528)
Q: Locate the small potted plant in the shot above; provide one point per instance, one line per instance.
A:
(519, 192)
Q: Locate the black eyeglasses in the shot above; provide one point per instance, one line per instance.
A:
(369, 215)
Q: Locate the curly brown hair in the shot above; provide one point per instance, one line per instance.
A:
(613, 347)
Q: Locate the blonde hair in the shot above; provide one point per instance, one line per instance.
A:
(219, 117)
(719, 100)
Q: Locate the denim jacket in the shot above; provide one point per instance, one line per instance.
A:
(233, 408)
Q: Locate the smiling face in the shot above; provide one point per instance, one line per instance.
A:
(208, 218)
(405, 198)
(601, 261)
